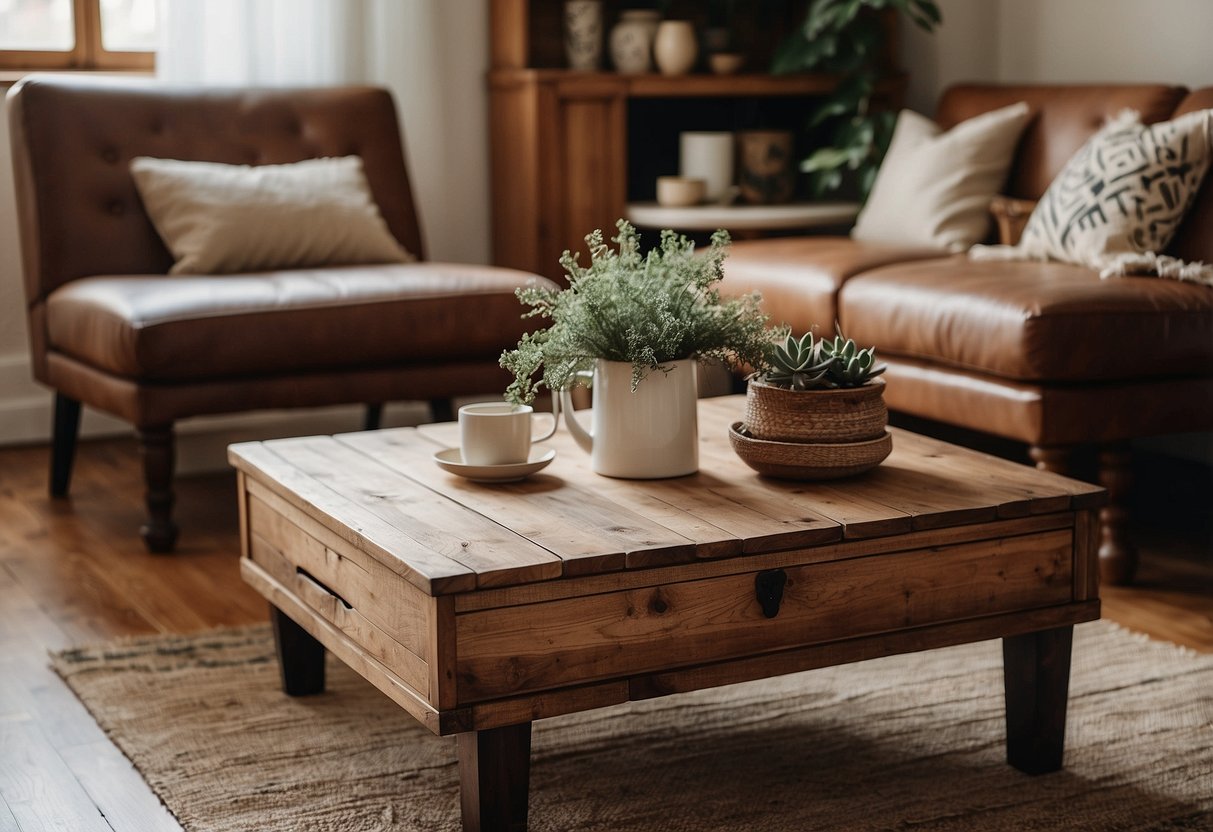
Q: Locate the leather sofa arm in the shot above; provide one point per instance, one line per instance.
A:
(1011, 215)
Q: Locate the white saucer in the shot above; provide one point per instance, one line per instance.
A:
(452, 460)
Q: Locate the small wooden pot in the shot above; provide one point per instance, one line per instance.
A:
(849, 414)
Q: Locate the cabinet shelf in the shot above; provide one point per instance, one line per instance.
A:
(735, 218)
(654, 85)
(572, 151)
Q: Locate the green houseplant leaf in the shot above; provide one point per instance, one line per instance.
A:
(643, 309)
(846, 37)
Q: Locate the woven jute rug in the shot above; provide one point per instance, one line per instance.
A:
(906, 742)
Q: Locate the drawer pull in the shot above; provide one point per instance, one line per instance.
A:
(299, 570)
(768, 588)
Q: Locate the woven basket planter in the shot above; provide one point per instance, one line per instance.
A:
(810, 460)
(852, 414)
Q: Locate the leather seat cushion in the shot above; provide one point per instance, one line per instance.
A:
(799, 277)
(1039, 322)
(156, 328)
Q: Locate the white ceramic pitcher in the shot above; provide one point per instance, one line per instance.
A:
(649, 434)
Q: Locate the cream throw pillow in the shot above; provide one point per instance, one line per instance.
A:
(934, 188)
(218, 219)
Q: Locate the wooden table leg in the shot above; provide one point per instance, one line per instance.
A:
(494, 778)
(300, 656)
(1036, 675)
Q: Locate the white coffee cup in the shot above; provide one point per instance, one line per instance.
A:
(498, 433)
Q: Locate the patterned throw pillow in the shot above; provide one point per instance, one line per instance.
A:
(1125, 192)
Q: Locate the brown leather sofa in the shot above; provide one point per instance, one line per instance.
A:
(1043, 353)
(109, 329)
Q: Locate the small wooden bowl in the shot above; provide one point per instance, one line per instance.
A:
(726, 63)
(809, 460)
(680, 191)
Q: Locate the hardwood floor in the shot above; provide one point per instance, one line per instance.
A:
(74, 571)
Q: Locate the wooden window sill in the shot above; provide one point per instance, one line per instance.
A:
(8, 77)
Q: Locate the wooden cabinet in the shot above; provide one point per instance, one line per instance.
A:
(570, 149)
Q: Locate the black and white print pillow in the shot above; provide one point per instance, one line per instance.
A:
(1125, 192)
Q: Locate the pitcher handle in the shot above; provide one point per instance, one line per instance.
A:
(555, 420)
(583, 437)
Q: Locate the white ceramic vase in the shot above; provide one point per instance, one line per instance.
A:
(583, 34)
(632, 41)
(675, 47)
(647, 434)
(708, 156)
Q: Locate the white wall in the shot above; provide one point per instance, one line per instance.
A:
(437, 73)
(1075, 41)
(1106, 40)
(964, 48)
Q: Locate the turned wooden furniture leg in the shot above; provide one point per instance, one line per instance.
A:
(156, 447)
(63, 448)
(1117, 554)
(373, 417)
(1036, 676)
(300, 656)
(1055, 459)
(443, 410)
(494, 778)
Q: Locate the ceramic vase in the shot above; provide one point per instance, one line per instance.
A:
(632, 41)
(649, 433)
(583, 34)
(708, 156)
(767, 176)
(675, 48)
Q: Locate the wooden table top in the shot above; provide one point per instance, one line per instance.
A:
(382, 491)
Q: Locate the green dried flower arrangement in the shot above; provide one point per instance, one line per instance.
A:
(644, 309)
(807, 364)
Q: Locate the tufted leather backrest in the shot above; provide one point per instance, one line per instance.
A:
(1064, 116)
(73, 140)
(1194, 239)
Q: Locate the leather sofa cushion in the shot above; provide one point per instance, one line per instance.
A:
(799, 277)
(153, 328)
(1040, 322)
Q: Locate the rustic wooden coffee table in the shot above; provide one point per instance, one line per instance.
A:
(479, 608)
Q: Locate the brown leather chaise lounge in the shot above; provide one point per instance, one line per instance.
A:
(109, 329)
(1043, 353)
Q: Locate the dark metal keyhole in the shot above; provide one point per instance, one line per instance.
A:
(768, 587)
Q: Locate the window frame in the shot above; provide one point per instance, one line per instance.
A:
(88, 51)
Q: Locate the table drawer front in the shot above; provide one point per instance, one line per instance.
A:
(384, 614)
(333, 608)
(511, 650)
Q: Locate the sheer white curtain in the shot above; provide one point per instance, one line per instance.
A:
(432, 55)
(263, 42)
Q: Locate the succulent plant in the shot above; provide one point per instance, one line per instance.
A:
(798, 364)
(850, 366)
(804, 364)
